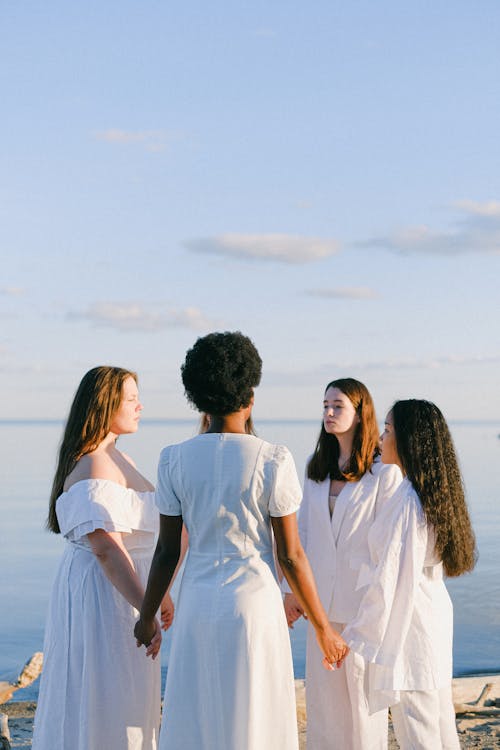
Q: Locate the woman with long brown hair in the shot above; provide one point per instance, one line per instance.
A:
(98, 690)
(405, 622)
(344, 490)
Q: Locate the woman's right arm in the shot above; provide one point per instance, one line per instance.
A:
(298, 573)
(293, 609)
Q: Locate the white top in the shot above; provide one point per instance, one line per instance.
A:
(404, 624)
(337, 546)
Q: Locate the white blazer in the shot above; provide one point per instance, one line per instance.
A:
(338, 547)
(404, 626)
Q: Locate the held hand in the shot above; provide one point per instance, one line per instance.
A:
(293, 610)
(167, 612)
(154, 647)
(333, 646)
(149, 635)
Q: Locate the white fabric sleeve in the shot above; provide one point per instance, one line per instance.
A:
(165, 497)
(386, 609)
(103, 504)
(286, 492)
(390, 478)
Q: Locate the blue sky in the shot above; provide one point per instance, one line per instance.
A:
(323, 176)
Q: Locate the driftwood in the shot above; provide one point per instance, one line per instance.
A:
(479, 706)
(29, 673)
(4, 732)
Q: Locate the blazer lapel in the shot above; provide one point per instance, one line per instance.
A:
(322, 510)
(342, 504)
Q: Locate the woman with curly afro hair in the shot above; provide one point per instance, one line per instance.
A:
(230, 677)
(404, 625)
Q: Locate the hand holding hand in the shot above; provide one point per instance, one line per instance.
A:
(333, 646)
(149, 634)
(293, 610)
(167, 612)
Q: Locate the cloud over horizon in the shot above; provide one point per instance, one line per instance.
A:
(129, 317)
(478, 231)
(152, 140)
(306, 376)
(347, 292)
(281, 248)
(11, 291)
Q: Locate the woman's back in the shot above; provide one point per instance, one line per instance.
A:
(230, 664)
(226, 486)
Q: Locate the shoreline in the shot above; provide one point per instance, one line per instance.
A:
(477, 728)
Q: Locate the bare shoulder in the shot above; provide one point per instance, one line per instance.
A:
(94, 466)
(128, 459)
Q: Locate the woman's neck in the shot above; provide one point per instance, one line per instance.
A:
(345, 449)
(234, 422)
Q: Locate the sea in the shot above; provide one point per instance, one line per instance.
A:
(29, 554)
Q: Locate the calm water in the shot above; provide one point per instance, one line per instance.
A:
(29, 555)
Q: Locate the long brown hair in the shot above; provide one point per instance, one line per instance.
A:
(95, 403)
(427, 454)
(324, 461)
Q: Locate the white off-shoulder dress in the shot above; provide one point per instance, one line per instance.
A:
(230, 676)
(98, 691)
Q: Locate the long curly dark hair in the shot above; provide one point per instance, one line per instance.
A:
(220, 372)
(95, 403)
(325, 460)
(429, 460)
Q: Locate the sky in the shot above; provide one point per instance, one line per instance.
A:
(322, 176)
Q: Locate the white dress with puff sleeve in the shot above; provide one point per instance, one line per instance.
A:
(230, 676)
(98, 690)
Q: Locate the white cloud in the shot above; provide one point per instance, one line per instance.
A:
(307, 376)
(478, 231)
(348, 292)
(488, 208)
(133, 317)
(152, 140)
(11, 291)
(429, 363)
(282, 248)
(265, 31)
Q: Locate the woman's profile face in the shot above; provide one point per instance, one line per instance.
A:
(339, 415)
(126, 419)
(389, 453)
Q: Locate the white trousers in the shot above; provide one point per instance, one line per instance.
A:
(425, 720)
(337, 710)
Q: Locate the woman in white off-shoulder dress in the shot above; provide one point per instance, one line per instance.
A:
(230, 678)
(98, 691)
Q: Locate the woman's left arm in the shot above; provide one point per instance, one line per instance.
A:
(117, 565)
(167, 608)
(164, 563)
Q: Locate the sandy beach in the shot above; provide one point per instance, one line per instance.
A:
(476, 730)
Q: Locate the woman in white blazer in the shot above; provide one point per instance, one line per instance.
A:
(344, 490)
(405, 622)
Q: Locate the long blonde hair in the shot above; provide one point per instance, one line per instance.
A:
(96, 401)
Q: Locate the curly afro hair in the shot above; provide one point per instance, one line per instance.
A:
(220, 372)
